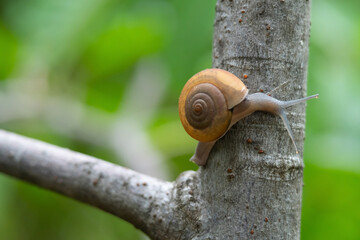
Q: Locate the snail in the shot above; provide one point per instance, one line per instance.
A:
(213, 100)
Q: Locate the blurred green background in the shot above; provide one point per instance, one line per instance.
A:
(103, 77)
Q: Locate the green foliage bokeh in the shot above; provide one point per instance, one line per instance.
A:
(89, 51)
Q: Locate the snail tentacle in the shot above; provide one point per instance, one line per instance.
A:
(285, 104)
(285, 120)
(213, 100)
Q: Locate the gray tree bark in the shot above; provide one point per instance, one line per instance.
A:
(261, 196)
(242, 192)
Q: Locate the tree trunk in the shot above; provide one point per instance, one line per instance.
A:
(254, 194)
(242, 192)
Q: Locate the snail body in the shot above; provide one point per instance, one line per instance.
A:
(213, 100)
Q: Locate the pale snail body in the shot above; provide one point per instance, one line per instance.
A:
(213, 100)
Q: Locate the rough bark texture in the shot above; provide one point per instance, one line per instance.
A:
(260, 194)
(114, 189)
(240, 193)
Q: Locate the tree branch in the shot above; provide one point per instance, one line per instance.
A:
(114, 189)
(162, 210)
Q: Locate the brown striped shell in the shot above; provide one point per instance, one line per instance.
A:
(206, 101)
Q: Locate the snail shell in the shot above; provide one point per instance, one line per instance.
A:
(206, 101)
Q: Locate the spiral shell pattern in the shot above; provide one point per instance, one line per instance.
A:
(206, 112)
(206, 101)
